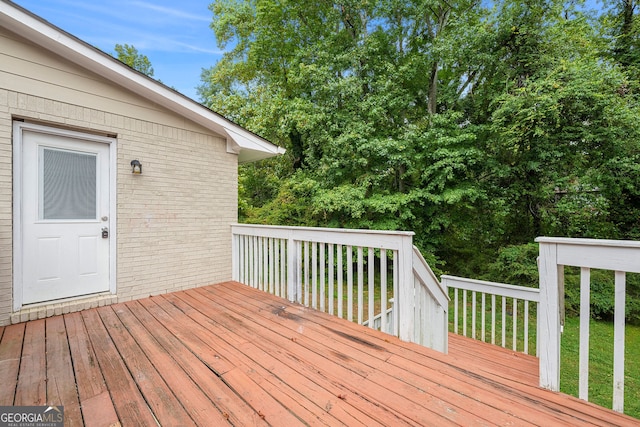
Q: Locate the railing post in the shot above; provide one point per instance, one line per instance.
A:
(549, 327)
(406, 294)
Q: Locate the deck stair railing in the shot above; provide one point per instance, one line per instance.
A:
(492, 307)
(431, 305)
(369, 277)
(555, 253)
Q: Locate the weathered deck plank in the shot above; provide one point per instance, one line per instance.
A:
(277, 366)
(32, 379)
(157, 394)
(201, 409)
(95, 400)
(361, 363)
(391, 369)
(202, 362)
(61, 384)
(229, 354)
(127, 399)
(10, 352)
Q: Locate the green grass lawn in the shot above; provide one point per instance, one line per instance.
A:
(601, 364)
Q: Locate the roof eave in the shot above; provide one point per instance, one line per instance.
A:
(248, 146)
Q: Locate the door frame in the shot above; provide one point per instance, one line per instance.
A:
(18, 128)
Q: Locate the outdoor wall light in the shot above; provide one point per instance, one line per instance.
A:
(136, 167)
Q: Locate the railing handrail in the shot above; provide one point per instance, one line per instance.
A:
(589, 242)
(502, 289)
(379, 239)
(428, 279)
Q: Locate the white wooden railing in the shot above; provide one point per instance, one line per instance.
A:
(431, 305)
(510, 297)
(324, 268)
(555, 253)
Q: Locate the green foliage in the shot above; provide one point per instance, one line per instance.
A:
(134, 59)
(478, 128)
(516, 265)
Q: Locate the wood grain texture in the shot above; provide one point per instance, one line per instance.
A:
(228, 354)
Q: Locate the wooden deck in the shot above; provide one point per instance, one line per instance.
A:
(228, 354)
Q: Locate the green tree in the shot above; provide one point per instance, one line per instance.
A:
(478, 128)
(134, 59)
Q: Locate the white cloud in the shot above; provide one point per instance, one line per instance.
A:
(174, 13)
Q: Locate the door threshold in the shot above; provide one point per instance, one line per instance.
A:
(62, 306)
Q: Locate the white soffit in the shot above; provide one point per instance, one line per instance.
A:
(249, 146)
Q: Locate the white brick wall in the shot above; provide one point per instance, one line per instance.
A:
(173, 221)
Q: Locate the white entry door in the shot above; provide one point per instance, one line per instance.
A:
(65, 215)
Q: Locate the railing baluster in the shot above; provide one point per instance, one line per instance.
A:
(473, 315)
(455, 310)
(383, 290)
(271, 267)
(618, 341)
(360, 286)
(260, 257)
(340, 273)
(283, 271)
(371, 285)
(306, 274)
(240, 265)
(526, 327)
(483, 315)
(331, 279)
(323, 304)
(246, 260)
(254, 261)
(284, 268)
(504, 321)
(314, 275)
(464, 313)
(396, 279)
(585, 315)
(515, 324)
(349, 283)
(276, 267)
(299, 274)
(493, 319)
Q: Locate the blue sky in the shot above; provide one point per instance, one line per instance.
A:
(175, 36)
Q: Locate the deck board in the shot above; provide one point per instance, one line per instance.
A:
(229, 354)
(128, 402)
(10, 353)
(32, 378)
(95, 401)
(61, 386)
(365, 366)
